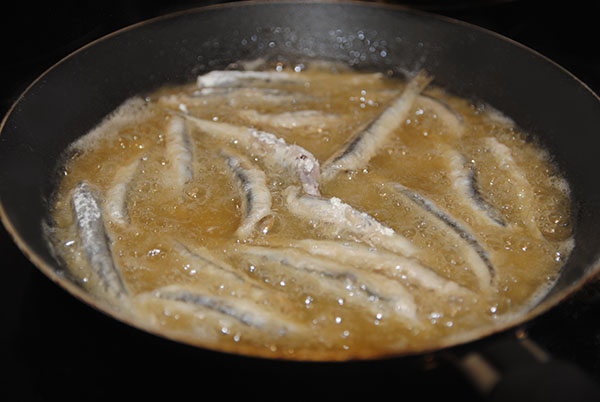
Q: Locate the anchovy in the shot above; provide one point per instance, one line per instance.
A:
(232, 78)
(506, 162)
(463, 180)
(309, 119)
(449, 117)
(340, 218)
(207, 264)
(253, 97)
(245, 312)
(224, 276)
(256, 198)
(333, 277)
(246, 96)
(359, 150)
(478, 257)
(179, 151)
(274, 151)
(116, 196)
(386, 263)
(94, 239)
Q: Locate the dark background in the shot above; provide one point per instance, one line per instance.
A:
(58, 348)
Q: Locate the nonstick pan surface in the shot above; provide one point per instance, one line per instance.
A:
(37, 142)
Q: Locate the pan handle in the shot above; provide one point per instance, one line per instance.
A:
(514, 368)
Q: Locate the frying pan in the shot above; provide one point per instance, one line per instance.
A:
(74, 95)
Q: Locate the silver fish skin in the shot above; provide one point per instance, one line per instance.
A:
(218, 274)
(389, 264)
(232, 78)
(207, 264)
(256, 197)
(449, 117)
(341, 218)
(212, 302)
(274, 151)
(308, 119)
(94, 239)
(463, 180)
(477, 256)
(374, 292)
(250, 97)
(244, 311)
(179, 151)
(521, 184)
(364, 145)
(115, 204)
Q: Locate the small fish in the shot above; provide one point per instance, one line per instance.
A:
(245, 312)
(250, 97)
(449, 117)
(386, 263)
(274, 151)
(207, 265)
(518, 180)
(464, 181)
(232, 78)
(307, 119)
(368, 288)
(339, 217)
(256, 198)
(359, 150)
(179, 151)
(477, 256)
(218, 274)
(116, 196)
(94, 239)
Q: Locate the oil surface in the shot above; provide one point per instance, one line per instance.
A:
(470, 162)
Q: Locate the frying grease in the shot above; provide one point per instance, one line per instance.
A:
(322, 321)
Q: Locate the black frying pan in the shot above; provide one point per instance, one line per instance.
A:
(74, 95)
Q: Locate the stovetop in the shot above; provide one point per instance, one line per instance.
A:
(57, 347)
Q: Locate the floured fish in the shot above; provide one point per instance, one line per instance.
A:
(234, 97)
(389, 264)
(94, 239)
(359, 150)
(232, 78)
(179, 152)
(375, 291)
(243, 311)
(208, 265)
(256, 198)
(477, 257)
(519, 182)
(307, 119)
(336, 218)
(115, 204)
(443, 112)
(219, 277)
(274, 151)
(464, 182)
